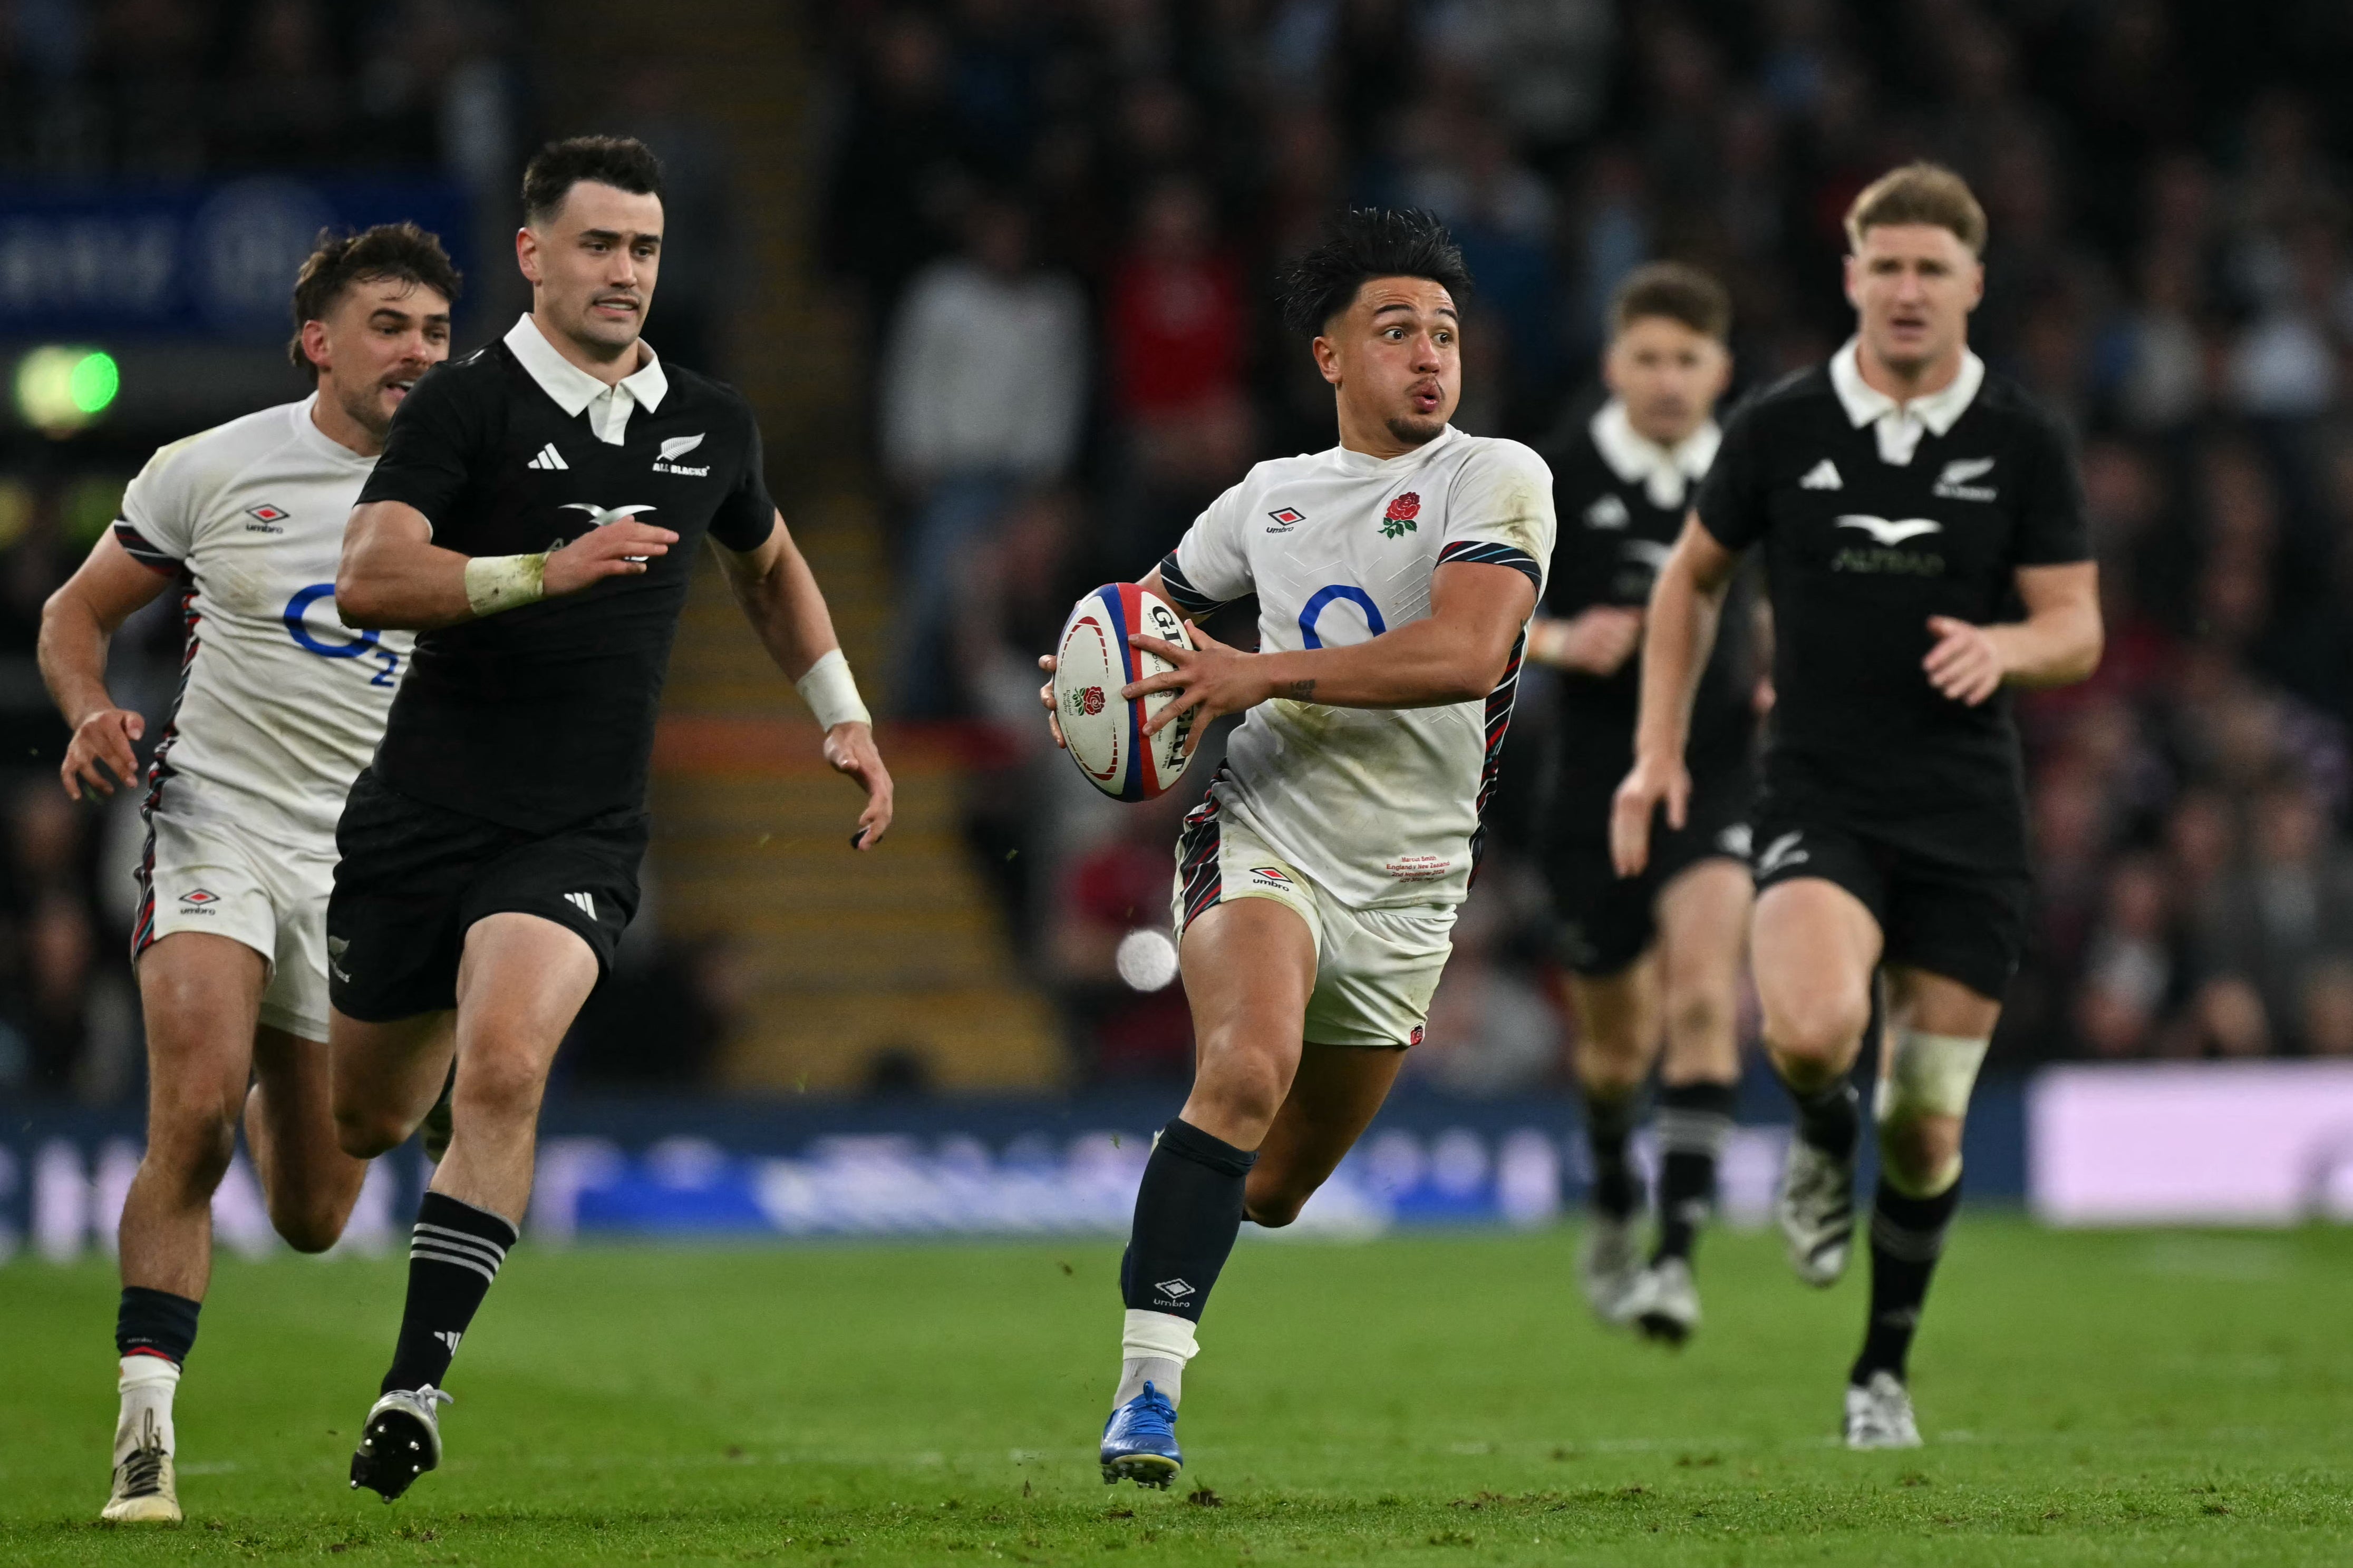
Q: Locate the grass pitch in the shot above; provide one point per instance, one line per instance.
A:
(2087, 1399)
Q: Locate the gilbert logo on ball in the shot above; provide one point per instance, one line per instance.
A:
(1093, 661)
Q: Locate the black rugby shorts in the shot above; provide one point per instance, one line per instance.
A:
(1945, 913)
(1606, 922)
(414, 878)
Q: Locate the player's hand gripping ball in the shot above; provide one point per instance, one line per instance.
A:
(1104, 733)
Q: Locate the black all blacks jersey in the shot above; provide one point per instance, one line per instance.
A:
(1859, 553)
(543, 716)
(1613, 539)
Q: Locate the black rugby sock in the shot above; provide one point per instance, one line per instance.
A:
(1907, 1234)
(1828, 1119)
(157, 1324)
(1695, 1120)
(1608, 1126)
(453, 1256)
(1187, 1212)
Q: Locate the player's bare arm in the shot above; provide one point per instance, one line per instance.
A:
(2058, 644)
(77, 623)
(1458, 655)
(1684, 604)
(394, 577)
(1595, 641)
(780, 597)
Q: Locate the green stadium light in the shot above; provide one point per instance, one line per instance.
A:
(62, 389)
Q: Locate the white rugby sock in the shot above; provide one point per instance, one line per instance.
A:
(1155, 1347)
(147, 1384)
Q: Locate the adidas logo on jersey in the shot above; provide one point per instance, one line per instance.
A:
(1607, 514)
(584, 902)
(1822, 475)
(548, 460)
(1952, 484)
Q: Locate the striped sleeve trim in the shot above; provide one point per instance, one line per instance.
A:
(136, 545)
(1482, 552)
(1181, 592)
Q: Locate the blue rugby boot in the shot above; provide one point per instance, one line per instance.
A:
(1139, 1442)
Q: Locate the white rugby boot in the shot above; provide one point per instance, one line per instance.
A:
(146, 1489)
(1815, 1210)
(401, 1441)
(1879, 1415)
(1609, 1263)
(1664, 1303)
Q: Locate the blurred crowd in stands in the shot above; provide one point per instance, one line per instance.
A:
(1060, 219)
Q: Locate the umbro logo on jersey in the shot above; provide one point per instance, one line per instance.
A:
(1782, 851)
(585, 903)
(672, 449)
(548, 460)
(1176, 1288)
(1952, 484)
(1822, 475)
(1608, 512)
(199, 898)
(1286, 518)
(265, 518)
(1891, 534)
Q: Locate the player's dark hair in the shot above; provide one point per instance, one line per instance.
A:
(623, 163)
(1677, 291)
(1359, 245)
(400, 252)
(1919, 192)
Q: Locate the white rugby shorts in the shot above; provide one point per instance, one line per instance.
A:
(213, 876)
(1375, 970)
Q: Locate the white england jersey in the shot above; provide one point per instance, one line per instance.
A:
(280, 704)
(1381, 805)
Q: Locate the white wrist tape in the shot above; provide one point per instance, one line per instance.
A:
(495, 583)
(831, 692)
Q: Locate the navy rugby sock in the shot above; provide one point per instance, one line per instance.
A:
(1609, 1127)
(157, 1324)
(1907, 1234)
(1187, 1212)
(453, 1256)
(1695, 1120)
(1831, 1119)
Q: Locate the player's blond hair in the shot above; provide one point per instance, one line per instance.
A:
(1919, 192)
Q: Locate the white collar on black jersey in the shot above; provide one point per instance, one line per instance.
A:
(1665, 473)
(1901, 425)
(575, 389)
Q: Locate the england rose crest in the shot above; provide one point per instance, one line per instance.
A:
(1399, 519)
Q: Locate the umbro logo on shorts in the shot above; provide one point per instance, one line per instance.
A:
(549, 459)
(1178, 1289)
(1271, 876)
(586, 904)
(1822, 475)
(199, 898)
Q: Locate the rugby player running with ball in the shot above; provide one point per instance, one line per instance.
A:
(1316, 885)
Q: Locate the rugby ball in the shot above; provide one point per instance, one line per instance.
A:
(1104, 733)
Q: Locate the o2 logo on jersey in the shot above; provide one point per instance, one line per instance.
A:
(1322, 599)
(364, 646)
